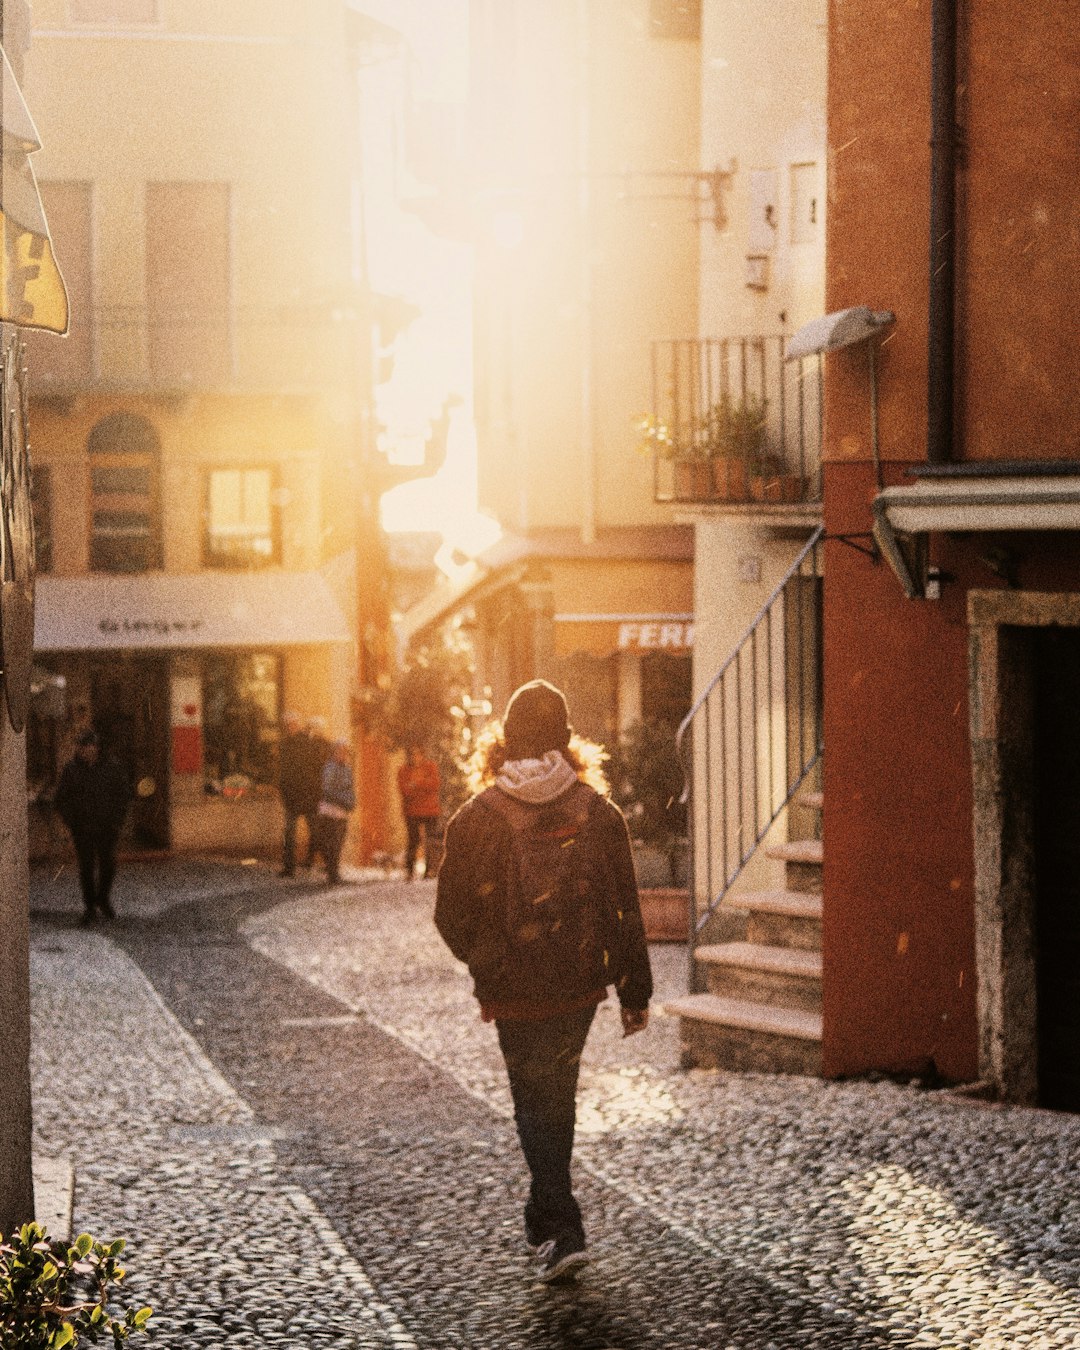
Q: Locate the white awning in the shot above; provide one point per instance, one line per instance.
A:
(207, 609)
(972, 498)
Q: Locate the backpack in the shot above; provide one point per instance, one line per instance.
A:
(554, 917)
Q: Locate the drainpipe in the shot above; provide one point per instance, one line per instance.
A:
(940, 336)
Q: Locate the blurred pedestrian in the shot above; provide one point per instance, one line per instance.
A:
(337, 799)
(291, 765)
(92, 799)
(537, 895)
(418, 784)
(314, 757)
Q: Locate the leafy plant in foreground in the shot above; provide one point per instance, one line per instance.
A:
(53, 1294)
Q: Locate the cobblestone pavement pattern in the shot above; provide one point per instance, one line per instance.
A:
(284, 1098)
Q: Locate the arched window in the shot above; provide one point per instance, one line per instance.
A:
(125, 512)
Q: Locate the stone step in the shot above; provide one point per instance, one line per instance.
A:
(727, 1033)
(783, 918)
(803, 860)
(782, 977)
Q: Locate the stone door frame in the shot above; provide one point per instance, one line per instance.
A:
(1000, 671)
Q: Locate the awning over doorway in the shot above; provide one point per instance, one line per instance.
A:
(207, 609)
(973, 497)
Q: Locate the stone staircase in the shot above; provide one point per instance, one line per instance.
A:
(762, 1011)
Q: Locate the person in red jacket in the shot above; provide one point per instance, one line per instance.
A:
(418, 783)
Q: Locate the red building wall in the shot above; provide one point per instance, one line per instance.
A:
(899, 922)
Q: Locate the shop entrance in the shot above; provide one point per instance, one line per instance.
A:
(1056, 679)
(129, 707)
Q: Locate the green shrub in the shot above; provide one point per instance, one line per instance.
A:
(646, 779)
(54, 1295)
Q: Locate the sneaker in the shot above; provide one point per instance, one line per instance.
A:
(533, 1240)
(561, 1258)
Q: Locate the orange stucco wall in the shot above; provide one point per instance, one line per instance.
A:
(900, 986)
(898, 941)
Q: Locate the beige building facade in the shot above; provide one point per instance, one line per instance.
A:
(196, 437)
(585, 193)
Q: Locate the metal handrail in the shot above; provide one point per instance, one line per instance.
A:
(767, 701)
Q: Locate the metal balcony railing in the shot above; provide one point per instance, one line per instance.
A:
(754, 735)
(732, 421)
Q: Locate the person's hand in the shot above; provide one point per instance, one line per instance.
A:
(634, 1020)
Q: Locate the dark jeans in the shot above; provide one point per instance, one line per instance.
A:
(96, 854)
(413, 826)
(542, 1063)
(288, 848)
(288, 844)
(329, 840)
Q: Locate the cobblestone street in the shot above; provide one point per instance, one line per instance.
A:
(283, 1096)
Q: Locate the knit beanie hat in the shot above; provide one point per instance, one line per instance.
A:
(537, 720)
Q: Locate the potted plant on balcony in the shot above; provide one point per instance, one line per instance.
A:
(692, 473)
(736, 441)
(772, 482)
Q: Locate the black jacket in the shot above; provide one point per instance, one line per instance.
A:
(472, 904)
(92, 799)
(293, 772)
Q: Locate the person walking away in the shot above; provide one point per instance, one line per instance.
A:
(337, 800)
(292, 763)
(537, 895)
(418, 784)
(92, 799)
(316, 755)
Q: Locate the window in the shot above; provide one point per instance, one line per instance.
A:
(41, 505)
(125, 524)
(241, 518)
(241, 710)
(67, 362)
(675, 18)
(113, 11)
(187, 282)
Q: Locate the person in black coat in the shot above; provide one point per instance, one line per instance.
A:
(292, 775)
(92, 799)
(313, 759)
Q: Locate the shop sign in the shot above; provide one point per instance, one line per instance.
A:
(150, 627)
(661, 635)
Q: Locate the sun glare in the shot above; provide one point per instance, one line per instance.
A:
(428, 361)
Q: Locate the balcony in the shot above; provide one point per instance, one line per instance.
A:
(733, 424)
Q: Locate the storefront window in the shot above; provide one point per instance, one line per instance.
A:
(241, 519)
(241, 710)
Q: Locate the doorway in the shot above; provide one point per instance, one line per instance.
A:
(1056, 770)
(129, 704)
(1025, 741)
